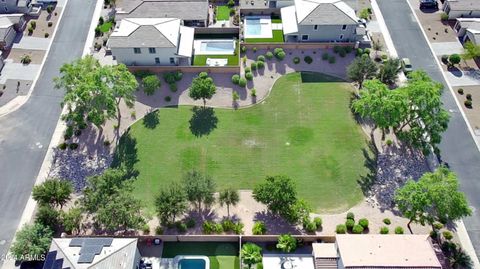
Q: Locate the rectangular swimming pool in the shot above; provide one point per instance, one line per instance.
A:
(192, 264)
(258, 27)
(214, 47)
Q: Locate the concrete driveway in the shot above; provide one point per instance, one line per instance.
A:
(18, 71)
(30, 42)
(447, 48)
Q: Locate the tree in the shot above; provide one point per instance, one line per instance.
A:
(32, 240)
(123, 85)
(460, 259)
(229, 197)
(298, 212)
(361, 69)
(435, 197)
(54, 192)
(150, 84)
(171, 202)
(202, 87)
(470, 51)
(48, 217)
(71, 220)
(199, 189)
(388, 72)
(251, 254)
(454, 59)
(287, 243)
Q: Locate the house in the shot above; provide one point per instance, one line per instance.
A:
(152, 41)
(191, 12)
(15, 6)
(321, 21)
(9, 26)
(98, 253)
(468, 29)
(462, 8)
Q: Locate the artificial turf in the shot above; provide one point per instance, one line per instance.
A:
(276, 38)
(223, 13)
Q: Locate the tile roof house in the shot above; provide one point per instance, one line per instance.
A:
(468, 29)
(191, 12)
(320, 21)
(462, 8)
(152, 41)
(9, 26)
(98, 253)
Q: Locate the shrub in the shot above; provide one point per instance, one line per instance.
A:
(173, 87)
(348, 49)
(384, 230)
(260, 65)
(447, 235)
(318, 222)
(190, 222)
(279, 53)
(209, 227)
(232, 11)
(253, 65)
(342, 53)
(254, 49)
(384, 57)
(367, 51)
(68, 133)
(167, 98)
(310, 226)
(235, 79)
(468, 96)
(253, 92)
(249, 76)
(230, 3)
(468, 103)
(238, 228)
(351, 216)
(248, 69)
(331, 59)
(30, 30)
(454, 59)
(364, 14)
(308, 59)
(341, 229)
(259, 228)
(445, 59)
(359, 52)
(337, 49)
(150, 84)
(169, 77)
(243, 49)
(460, 91)
(444, 16)
(50, 24)
(73, 146)
(33, 24)
(178, 76)
(363, 222)
(244, 60)
(261, 58)
(357, 229)
(47, 35)
(325, 56)
(227, 225)
(349, 224)
(437, 226)
(242, 82)
(387, 220)
(398, 230)
(389, 143)
(296, 60)
(158, 230)
(47, 216)
(106, 143)
(269, 55)
(63, 146)
(142, 74)
(50, 9)
(79, 132)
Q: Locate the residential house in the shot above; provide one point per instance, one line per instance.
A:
(98, 253)
(152, 41)
(191, 12)
(321, 21)
(468, 29)
(15, 6)
(462, 8)
(9, 26)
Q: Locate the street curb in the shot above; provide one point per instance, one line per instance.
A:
(462, 233)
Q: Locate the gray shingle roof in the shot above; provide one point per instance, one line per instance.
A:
(146, 36)
(182, 9)
(464, 4)
(327, 14)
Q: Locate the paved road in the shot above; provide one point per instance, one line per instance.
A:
(26, 133)
(457, 147)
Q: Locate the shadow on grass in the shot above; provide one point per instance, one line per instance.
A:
(203, 121)
(125, 155)
(313, 77)
(366, 181)
(151, 120)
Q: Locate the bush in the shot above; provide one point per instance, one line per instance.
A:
(331, 59)
(158, 230)
(254, 49)
(242, 82)
(178, 76)
(249, 76)
(73, 146)
(232, 11)
(348, 49)
(30, 30)
(363, 222)
(260, 65)
(364, 14)
(460, 91)
(210, 227)
(296, 60)
(235, 79)
(146, 229)
(173, 87)
(359, 52)
(47, 216)
(351, 216)
(106, 143)
(167, 98)
(342, 53)
(142, 74)
(444, 16)
(454, 59)
(269, 55)
(261, 58)
(349, 224)
(468, 96)
(248, 69)
(238, 228)
(325, 56)
(243, 49)
(169, 77)
(437, 226)
(227, 225)
(309, 226)
(50, 9)
(387, 220)
(279, 53)
(468, 103)
(398, 230)
(357, 229)
(447, 235)
(253, 92)
(63, 146)
(384, 57)
(68, 133)
(389, 143)
(253, 65)
(366, 51)
(33, 24)
(47, 35)
(308, 59)
(230, 3)
(318, 222)
(259, 228)
(150, 84)
(337, 49)
(190, 223)
(384, 230)
(445, 59)
(341, 229)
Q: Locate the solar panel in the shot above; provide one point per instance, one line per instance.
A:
(50, 260)
(58, 264)
(86, 258)
(90, 247)
(76, 242)
(94, 249)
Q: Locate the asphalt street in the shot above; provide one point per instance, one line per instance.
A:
(26, 133)
(458, 148)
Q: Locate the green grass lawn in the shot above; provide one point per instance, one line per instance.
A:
(201, 60)
(223, 13)
(276, 19)
(304, 130)
(277, 38)
(104, 28)
(221, 255)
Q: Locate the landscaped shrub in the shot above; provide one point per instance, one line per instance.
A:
(30, 30)
(454, 59)
(341, 229)
(230, 3)
(249, 76)
(209, 227)
(142, 74)
(444, 16)
(254, 49)
(73, 146)
(253, 65)
(235, 79)
(445, 59)
(359, 52)
(468, 96)
(244, 60)
(181, 227)
(158, 230)
(150, 84)
(173, 87)
(279, 53)
(232, 11)
(106, 143)
(238, 228)
(259, 228)
(190, 222)
(437, 226)
(447, 235)
(387, 220)
(357, 229)
(169, 77)
(398, 230)
(167, 99)
(460, 91)
(260, 65)
(253, 92)
(47, 35)
(33, 24)
(242, 82)
(178, 76)
(351, 216)
(384, 230)
(243, 49)
(146, 229)
(363, 222)
(348, 49)
(318, 222)
(342, 53)
(325, 56)
(389, 143)
(63, 146)
(337, 49)
(364, 14)
(68, 133)
(331, 59)
(248, 69)
(227, 225)
(384, 57)
(310, 226)
(308, 59)
(296, 60)
(367, 51)
(269, 55)
(261, 58)
(50, 9)
(78, 132)
(349, 224)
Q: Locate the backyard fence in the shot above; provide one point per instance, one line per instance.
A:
(186, 69)
(316, 45)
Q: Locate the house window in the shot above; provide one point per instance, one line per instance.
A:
(344, 27)
(137, 50)
(157, 60)
(341, 37)
(304, 37)
(152, 50)
(172, 60)
(315, 27)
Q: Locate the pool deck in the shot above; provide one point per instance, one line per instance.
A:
(265, 27)
(197, 44)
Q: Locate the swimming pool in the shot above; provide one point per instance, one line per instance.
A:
(258, 27)
(214, 47)
(192, 262)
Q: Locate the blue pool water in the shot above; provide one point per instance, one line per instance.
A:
(191, 264)
(217, 46)
(253, 26)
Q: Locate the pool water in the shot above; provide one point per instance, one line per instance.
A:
(191, 264)
(254, 27)
(217, 46)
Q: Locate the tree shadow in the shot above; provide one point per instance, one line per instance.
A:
(366, 181)
(276, 224)
(203, 121)
(151, 120)
(125, 155)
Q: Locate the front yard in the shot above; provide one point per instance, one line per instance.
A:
(303, 130)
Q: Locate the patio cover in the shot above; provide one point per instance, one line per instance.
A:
(289, 20)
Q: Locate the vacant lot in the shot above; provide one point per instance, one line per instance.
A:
(304, 130)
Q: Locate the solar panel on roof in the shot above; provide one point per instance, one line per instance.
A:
(58, 264)
(86, 258)
(76, 242)
(94, 249)
(50, 260)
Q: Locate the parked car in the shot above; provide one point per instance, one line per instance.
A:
(406, 65)
(428, 4)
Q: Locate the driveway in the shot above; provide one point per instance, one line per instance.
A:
(458, 147)
(26, 133)
(447, 48)
(30, 42)
(18, 71)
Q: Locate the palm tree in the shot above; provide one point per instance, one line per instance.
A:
(460, 259)
(251, 254)
(229, 197)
